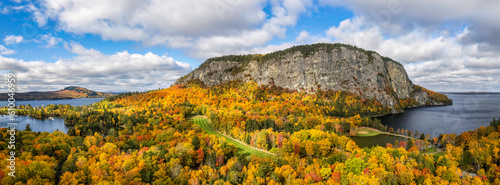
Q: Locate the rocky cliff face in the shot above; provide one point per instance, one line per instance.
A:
(325, 66)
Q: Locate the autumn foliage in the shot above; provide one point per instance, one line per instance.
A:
(148, 138)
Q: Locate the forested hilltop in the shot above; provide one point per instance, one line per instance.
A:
(70, 92)
(338, 67)
(194, 134)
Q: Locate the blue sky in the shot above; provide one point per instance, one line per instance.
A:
(142, 45)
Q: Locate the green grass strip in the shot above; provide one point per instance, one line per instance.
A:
(243, 148)
(367, 132)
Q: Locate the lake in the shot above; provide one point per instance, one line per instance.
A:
(468, 112)
(45, 125)
(36, 125)
(73, 102)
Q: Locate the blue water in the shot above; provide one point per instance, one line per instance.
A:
(44, 125)
(73, 102)
(468, 112)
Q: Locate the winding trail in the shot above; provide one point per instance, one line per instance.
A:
(206, 125)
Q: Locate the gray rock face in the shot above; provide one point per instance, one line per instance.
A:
(345, 68)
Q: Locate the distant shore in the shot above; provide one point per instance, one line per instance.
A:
(470, 93)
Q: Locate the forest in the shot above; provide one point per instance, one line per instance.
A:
(151, 138)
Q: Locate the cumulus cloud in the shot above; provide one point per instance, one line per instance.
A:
(121, 71)
(440, 45)
(138, 18)
(396, 16)
(50, 40)
(412, 47)
(6, 51)
(38, 15)
(12, 39)
(201, 28)
(442, 63)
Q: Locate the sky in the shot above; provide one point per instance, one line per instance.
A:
(139, 45)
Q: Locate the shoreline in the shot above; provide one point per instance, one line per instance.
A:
(408, 108)
(381, 132)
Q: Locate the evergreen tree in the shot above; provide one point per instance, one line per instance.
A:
(28, 128)
(410, 144)
(196, 142)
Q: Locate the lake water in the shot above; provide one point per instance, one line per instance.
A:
(36, 125)
(468, 112)
(45, 125)
(73, 102)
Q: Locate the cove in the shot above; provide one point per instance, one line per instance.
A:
(37, 125)
(44, 125)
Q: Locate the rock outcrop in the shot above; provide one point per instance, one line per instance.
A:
(325, 66)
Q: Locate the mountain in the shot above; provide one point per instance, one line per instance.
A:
(70, 92)
(337, 67)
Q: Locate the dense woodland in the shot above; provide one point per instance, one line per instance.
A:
(148, 138)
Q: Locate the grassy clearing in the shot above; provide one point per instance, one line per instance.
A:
(367, 132)
(430, 150)
(243, 148)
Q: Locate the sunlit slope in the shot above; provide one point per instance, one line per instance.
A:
(242, 148)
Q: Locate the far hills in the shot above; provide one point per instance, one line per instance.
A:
(325, 66)
(70, 92)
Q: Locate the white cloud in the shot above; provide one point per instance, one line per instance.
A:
(121, 71)
(412, 47)
(37, 14)
(441, 63)
(400, 17)
(284, 14)
(12, 39)
(201, 28)
(305, 37)
(50, 40)
(6, 51)
(138, 20)
(428, 37)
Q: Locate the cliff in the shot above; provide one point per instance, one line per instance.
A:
(326, 66)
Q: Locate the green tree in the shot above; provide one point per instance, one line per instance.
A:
(196, 142)
(28, 128)
(355, 165)
(325, 172)
(410, 144)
